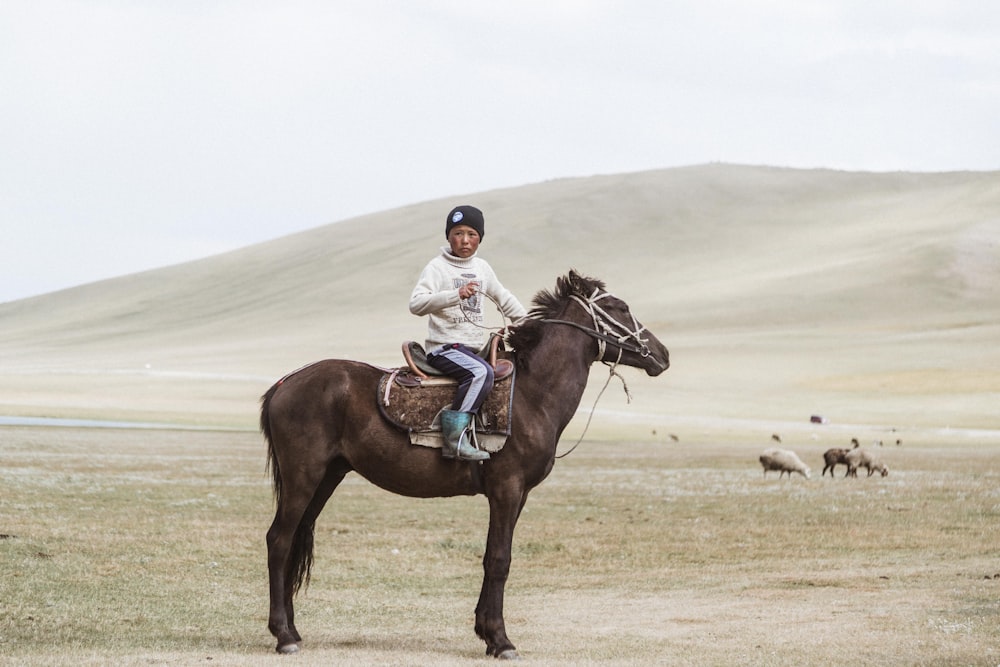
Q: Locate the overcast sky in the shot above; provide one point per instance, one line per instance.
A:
(139, 134)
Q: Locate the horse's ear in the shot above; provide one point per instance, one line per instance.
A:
(576, 282)
(582, 285)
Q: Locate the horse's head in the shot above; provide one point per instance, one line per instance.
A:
(585, 305)
(620, 336)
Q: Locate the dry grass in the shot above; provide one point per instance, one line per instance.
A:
(144, 547)
(867, 298)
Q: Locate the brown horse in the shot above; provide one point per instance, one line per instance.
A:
(322, 421)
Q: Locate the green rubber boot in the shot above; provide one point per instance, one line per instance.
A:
(455, 427)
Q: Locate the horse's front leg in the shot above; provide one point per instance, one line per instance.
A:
(504, 512)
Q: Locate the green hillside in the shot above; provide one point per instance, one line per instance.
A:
(868, 298)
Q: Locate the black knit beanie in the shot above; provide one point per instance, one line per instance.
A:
(469, 216)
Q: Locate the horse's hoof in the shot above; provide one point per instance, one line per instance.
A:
(509, 654)
(288, 649)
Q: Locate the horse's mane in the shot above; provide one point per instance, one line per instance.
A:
(548, 304)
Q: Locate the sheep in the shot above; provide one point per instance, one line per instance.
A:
(862, 458)
(784, 461)
(835, 456)
(832, 458)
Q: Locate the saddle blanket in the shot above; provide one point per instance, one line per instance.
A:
(415, 407)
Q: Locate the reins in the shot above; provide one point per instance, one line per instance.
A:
(496, 303)
(628, 397)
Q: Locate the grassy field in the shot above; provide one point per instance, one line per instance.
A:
(147, 547)
(870, 299)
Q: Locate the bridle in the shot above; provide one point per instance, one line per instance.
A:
(607, 329)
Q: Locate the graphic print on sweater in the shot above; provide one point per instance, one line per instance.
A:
(471, 307)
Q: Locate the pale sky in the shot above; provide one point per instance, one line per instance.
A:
(138, 134)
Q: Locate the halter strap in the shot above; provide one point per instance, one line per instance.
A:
(607, 329)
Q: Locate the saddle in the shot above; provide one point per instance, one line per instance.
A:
(411, 398)
(420, 368)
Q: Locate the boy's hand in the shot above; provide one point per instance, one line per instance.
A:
(467, 290)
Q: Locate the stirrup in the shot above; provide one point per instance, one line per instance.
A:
(472, 453)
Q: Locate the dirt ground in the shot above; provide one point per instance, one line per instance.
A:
(631, 553)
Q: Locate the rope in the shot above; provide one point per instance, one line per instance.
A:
(503, 316)
(613, 372)
(388, 386)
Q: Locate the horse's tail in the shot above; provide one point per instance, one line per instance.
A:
(300, 558)
(265, 428)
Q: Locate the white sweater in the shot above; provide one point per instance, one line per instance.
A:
(436, 295)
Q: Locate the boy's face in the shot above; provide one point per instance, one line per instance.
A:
(464, 241)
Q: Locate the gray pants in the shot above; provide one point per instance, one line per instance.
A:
(474, 375)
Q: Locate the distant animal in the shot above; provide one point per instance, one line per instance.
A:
(862, 458)
(784, 461)
(322, 422)
(834, 457)
(776, 437)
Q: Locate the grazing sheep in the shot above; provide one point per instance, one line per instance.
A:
(862, 458)
(784, 461)
(832, 458)
(835, 456)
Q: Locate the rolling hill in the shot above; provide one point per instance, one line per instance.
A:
(870, 298)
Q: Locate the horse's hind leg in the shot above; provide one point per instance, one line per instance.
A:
(290, 547)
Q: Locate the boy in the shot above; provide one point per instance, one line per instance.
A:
(448, 293)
